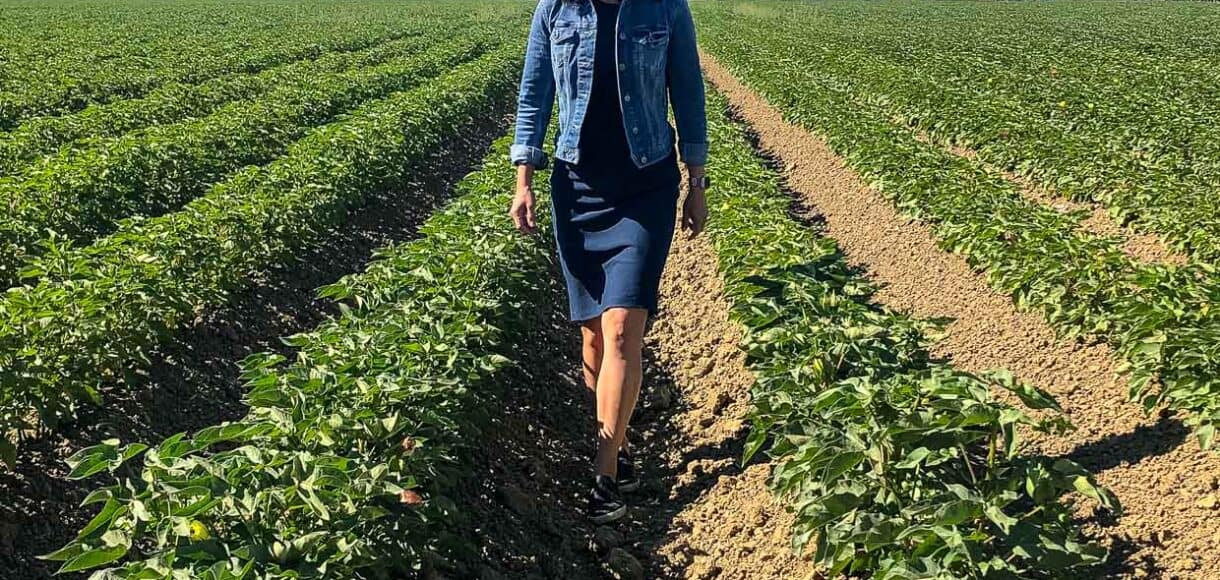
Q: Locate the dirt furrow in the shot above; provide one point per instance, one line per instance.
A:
(1166, 484)
(731, 527)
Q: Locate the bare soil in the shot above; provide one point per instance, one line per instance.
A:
(699, 513)
(1167, 485)
(194, 381)
(731, 527)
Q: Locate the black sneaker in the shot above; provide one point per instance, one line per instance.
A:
(627, 480)
(605, 504)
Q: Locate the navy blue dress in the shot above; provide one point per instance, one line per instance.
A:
(613, 221)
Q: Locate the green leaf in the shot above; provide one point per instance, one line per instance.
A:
(840, 464)
(1099, 494)
(999, 518)
(63, 554)
(1206, 434)
(914, 458)
(754, 441)
(111, 510)
(93, 559)
(954, 513)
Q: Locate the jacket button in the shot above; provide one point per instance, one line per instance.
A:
(627, 98)
(635, 130)
(622, 66)
(643, 160)
(622, 36)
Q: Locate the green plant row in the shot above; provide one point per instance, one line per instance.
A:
(1164, 194)
(1160, 318)
(341, 466)
(60, 58)
(81, 193)
(81, 82)
(175, 101)
(895, 466)
(1105, 73)
(1116, 139)
(99, 310)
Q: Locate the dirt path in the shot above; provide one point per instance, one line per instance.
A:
(698, 515)
(1165, 483)
(728, 525)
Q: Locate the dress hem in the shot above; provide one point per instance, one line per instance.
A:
(651, 310)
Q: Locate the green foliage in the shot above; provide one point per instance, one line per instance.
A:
(896, 466)
(172, 102)
(80, 193)
(340, 468)
(59, 57)
(99, 310)
(1160, 318)
(1096, 102)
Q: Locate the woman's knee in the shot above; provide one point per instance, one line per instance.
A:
(622, 329)
(591, 334)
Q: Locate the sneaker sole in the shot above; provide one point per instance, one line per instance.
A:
(629, 486)
(610, 516)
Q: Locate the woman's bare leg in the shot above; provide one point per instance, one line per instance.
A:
(618, 381)
(591, 352)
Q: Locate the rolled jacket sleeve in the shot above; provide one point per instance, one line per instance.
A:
(686, 87)
(537, 93)
(526, 154)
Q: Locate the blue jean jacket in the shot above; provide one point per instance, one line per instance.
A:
(658, 65)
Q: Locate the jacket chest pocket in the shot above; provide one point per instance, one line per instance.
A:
(564, 40)
(650, 45)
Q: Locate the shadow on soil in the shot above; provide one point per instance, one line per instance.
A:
(1145, 441)
(194, 381)
(1129, 448)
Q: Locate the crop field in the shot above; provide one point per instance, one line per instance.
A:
(266, 316)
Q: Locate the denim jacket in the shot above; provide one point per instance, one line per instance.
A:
(658, 65)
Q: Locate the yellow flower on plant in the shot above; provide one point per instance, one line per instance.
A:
(199, 532)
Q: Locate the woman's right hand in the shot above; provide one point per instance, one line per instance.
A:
(522, 210)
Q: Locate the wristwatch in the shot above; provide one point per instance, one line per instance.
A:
(702, 182)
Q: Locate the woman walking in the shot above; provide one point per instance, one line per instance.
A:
(616, 67)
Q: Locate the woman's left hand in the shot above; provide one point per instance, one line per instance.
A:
(694, 211)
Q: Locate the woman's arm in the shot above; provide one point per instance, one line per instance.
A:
(686, 89)
(537, 94)
(534, 102)
(690, 112)
(522, 208)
